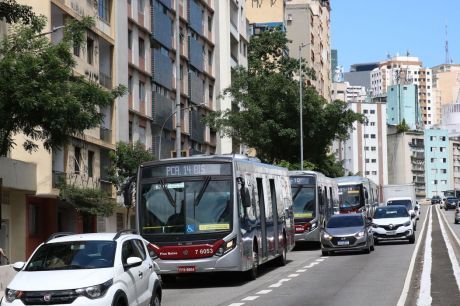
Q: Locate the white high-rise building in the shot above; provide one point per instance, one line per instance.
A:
(407, 70)
(364, 152)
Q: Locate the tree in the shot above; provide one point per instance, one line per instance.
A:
(123, 172)
(40, 96)
(265, 115)
(402, 127)
(86, 200)
(14, 13)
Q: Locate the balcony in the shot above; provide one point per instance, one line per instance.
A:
(106, 187)
(105, 134)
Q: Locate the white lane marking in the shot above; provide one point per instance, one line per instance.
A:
(450, 228)
(275, 285)
(264, 291)
(405, 291)
(279, 283)
(450, 251)
(236, 304)
(301, 270)
(293, 275)
(324, 257)
(311, 265)
(320, 259)
(284, 280)
(424, 298)
(250, 298)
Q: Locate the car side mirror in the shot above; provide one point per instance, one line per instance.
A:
(416, 208)
(18, 266)
(412, 215)
(132, 262)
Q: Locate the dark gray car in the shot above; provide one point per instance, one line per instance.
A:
(347, 233)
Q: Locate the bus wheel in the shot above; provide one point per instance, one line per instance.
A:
(252, 273)
(282, 259)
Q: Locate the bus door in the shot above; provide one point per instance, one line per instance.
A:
(276, 233)
(262, 217)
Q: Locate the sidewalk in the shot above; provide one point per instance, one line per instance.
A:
(6, 275)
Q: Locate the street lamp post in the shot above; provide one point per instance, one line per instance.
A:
(164, 123)
(301, 104)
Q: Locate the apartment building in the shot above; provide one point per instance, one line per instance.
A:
(403, 106)
(84, 161)
(139, 68)
(437, 170)
(196, 78)
(360, 74)
(263, 15)
(406, 70)
(406, 159)
(308, 28)
(230, 51)
(446, 86)
(454, 162)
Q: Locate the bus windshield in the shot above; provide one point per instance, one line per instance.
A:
(304, 202)
(350, 196)
(186, 206)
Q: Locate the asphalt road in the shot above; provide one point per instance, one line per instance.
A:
(310, 279)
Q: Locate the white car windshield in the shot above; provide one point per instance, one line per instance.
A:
(73, 255)
(391, 212)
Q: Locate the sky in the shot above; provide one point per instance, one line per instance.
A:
(368, 30)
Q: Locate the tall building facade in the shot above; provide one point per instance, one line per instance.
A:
(360, 74)
(403, 106)
(230, 51)
(197, 76)
(406, 159)
(364, 152)
(84, 161)
(405, 70)
(437, 170)
(263, 15)
(308, 23)
(454, 162)
(139, 68)
(446, 86)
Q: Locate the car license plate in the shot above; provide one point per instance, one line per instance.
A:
(186, 269)
(391, 233)
(344, 242)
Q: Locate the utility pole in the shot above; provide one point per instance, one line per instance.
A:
(178, 84)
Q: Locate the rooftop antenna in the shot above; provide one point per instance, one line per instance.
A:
(448, 58)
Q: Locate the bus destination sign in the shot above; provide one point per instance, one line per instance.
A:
(177, 170)
(303, 180)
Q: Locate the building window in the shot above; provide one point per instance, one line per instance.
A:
(368, 172)
(209, 57)
(373, 136)
(209, 24)
(365, 111)
(374, 160)
(211, 92)
(366, 135)
(373, 148)
(444, 182)
(444, 160)
(444, 171)
(435, 182)
(433, 160)
(141, 91)
(130, 85)
(141, 48)
(90, 163)
(367, 160)
(104, 10)
(372, 111)
(433, 149)
(366, 148)
(76, 50)
(89, 50)
(443, 138)
(130, 132)
(130, 39)
(374, 172)
(76, 159)
(372, 123)
(142, 135)
(141, 6)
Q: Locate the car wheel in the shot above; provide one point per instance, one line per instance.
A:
(415, 227)
(156, 299)
(372, 248)
(367, 250)
(324, 253)
(376, 241)
(412, 239)
(119, 300)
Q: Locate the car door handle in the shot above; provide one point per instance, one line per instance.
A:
(141, 274)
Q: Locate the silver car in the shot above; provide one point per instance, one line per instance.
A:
(347, 233)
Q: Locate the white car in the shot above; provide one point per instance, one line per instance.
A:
(393, 223)
(409, 204)
(86, 269)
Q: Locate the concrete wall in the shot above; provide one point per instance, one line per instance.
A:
(265, 11)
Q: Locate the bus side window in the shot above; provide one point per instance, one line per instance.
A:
(320, 199)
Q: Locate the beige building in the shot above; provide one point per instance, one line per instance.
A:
(406, 159)
(265, 12)
(446, 86)
(454, 162)
(308, 24)
(85, 159)
(407, 70)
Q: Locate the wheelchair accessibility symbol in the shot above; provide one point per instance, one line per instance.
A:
(190, 228)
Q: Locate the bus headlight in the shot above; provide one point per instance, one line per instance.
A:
(226, 247)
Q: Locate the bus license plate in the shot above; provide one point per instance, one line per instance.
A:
(345, 242)
(186, 269)
(391, 233)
